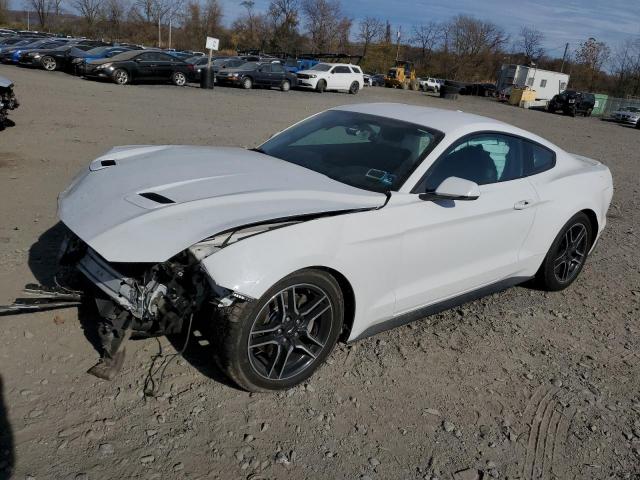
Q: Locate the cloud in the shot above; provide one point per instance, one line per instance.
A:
(570, 21)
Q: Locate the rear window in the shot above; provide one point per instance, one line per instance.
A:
(356, 69)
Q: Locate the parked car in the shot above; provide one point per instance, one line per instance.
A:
(572, 103)
(356, 220)
(332, 76)
(377, 80)
(80, 59)
(8, 101)
(199, 63)
(368, 81)
(629, 115)
(5, 32)
(258, 74)
(136, 65)
(12, 55)
(222, 63)
(51, 59)
(429, 84)
(13, 42)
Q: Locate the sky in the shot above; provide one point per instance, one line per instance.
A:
(561, 21)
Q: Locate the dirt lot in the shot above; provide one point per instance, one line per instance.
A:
(522, 384)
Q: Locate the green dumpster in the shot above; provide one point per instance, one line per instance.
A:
(601, 103)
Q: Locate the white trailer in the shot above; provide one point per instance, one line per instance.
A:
(546, 83)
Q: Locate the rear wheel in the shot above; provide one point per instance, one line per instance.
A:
(49, 63)
(405, 85)
(247, 83)
(121, 77)
(567, 254)
(588, 112)
(354, 88)
(279, 340)
(179, 79)
(321, 86)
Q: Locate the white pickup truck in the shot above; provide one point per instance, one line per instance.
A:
(429, 85)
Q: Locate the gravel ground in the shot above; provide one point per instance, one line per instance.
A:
(519, 385)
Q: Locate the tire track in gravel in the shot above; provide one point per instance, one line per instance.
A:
(549, 414)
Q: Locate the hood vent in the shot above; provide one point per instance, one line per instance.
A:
(108, 163)
(156, 197)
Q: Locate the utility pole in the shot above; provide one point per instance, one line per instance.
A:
(564, 57)
(28, 19)
(398, 48)
(159, 33)
(170, 20)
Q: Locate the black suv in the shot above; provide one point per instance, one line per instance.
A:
(572, 103)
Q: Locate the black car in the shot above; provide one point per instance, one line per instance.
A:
(141, 65)
(53, 58)
(11, 55)
(572, 103)
(254, 74)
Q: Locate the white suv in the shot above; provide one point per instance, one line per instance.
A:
(332, 76)
(429, 84)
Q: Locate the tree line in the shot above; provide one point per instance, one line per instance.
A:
(462, 48)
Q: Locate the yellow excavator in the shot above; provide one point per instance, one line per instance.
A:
(402, 75)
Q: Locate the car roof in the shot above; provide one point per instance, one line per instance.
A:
(450, 122)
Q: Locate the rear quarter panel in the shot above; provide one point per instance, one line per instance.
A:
(573, 185)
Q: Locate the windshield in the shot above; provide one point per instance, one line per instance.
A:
(321, 67)
(364, 151)
(632, 109)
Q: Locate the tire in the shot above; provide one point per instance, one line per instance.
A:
(49, 63)
(321, 86)
(121, 76)
(247, 83)
(286, 86)
(414, 86)
(262, 367)
(354, 88)
(572, 112)
(405, 86)
(179, 79)
(588, 112)
(567, 255)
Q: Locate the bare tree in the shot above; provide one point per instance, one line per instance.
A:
(89, 10)
(425, 37)
(4, 9)
(284, 15)
(369, 29)
(326, 23)
(42, 8)
(530, 43)
(592, 54)
(113, 16)
(473, 46)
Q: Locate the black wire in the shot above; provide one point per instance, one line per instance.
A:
(151, 385)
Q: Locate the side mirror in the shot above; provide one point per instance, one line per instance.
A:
(454, 188)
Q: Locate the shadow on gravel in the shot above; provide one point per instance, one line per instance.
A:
(6, 440)
(43, 262)
(201, 349)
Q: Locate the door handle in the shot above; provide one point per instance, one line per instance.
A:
(522, 204)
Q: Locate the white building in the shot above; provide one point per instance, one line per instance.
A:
(545, 82)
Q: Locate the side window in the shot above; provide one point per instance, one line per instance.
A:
(538, 159)
(356, 69)
(265, 68)
(530, 82)
(483, 159)
(277, 68)
(341, 70)
(543, 83)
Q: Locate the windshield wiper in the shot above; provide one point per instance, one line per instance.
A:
(257, 149)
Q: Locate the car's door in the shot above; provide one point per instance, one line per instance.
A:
(146, 65)
(277, 74)
(340, 78)
(166, 65)
(263, 76)
(453, 247)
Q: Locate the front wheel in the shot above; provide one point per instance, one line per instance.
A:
(321, 86)
(49, 63)
(179, 79)
(247, 83)
(355, 87)
(285, 86)
(567, 254)
(121, 77)
(278, 341)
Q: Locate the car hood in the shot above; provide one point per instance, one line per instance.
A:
(148, 203)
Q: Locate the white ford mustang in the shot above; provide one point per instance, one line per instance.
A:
(353, 221)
